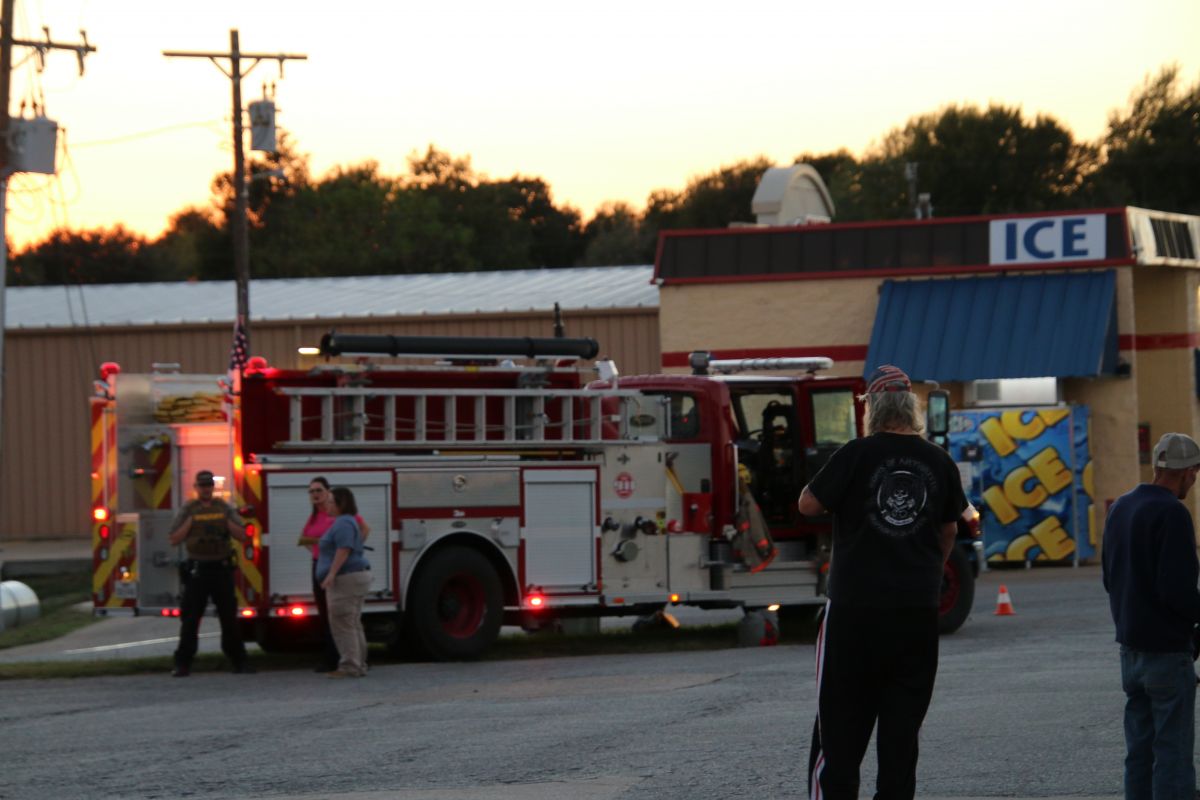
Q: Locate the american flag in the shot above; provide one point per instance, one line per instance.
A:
(239, 349)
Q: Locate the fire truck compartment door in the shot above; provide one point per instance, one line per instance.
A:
(157, 561)
(560, 529)
(288, 508)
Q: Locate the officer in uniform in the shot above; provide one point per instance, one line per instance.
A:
(204, 526)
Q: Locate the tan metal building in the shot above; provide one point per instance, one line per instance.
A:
(56, 337)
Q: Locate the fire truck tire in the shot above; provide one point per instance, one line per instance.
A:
(456, 606)
(958, 592)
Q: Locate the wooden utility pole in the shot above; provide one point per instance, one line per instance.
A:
(240, 224)
(7, 42)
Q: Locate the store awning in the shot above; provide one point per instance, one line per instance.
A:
(1008, 326)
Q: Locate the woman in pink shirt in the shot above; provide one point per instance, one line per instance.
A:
(324, 512)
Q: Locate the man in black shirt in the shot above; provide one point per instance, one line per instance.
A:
(1150, 572)
(895, 500)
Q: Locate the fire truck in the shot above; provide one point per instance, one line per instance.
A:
(503, 483)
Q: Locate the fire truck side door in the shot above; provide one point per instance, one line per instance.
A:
(289, 509)
(560, 529)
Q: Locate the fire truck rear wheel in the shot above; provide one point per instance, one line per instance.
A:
(456, 605)
(958, 592)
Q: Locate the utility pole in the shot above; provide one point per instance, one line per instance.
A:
(240, 224)
(7, 42)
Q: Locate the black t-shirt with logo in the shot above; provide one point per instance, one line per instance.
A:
(889, 494)
(208, 538)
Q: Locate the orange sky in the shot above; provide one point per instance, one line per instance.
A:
(605, 102)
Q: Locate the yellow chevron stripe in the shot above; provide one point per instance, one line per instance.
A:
(97, 458)
(254, 485)
(123, 542)
(97, 434)
(110, 468)
(162, 488)
(250, 571)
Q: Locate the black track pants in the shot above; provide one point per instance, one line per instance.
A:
(874, 665)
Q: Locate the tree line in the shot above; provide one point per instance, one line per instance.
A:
(441, 215)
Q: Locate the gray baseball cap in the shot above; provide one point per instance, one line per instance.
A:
(1176, 451)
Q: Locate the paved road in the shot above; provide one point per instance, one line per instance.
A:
(1026, 706)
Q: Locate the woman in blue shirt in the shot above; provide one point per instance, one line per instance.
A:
(345, 576)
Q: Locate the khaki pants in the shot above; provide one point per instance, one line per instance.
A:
(345, 598)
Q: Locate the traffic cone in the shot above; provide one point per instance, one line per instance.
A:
(1004, 606)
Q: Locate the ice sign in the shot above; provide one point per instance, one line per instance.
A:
(1035, 240)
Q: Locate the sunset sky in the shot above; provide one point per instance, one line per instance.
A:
(605, 101)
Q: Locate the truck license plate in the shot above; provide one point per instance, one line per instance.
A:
(126, 590)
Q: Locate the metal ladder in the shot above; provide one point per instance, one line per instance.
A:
(525, 418)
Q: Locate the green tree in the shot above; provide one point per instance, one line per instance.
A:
(615, 236)
(1152, 148)
(712, 200)
(842, 175)
(512, 223)
(974, 161)
(194, 246)
(102, 255)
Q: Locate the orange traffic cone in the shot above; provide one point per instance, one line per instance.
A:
(1004, 606)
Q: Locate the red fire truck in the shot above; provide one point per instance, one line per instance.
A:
(500, 485)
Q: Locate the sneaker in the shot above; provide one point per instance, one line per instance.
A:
(180, 672)
(244, 669)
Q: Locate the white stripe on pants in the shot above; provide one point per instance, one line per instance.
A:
(345, 599)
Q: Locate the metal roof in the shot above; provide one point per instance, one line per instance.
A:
(331, 298)
(1011, 326)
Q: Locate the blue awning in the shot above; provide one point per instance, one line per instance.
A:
(1057, 325)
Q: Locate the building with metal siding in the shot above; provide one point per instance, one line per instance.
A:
(52, 356)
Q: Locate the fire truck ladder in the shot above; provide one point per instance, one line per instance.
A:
(520, 417)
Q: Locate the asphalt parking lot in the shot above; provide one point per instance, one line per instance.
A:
(1026, 706)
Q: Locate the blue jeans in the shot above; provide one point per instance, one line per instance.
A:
(1160, 712)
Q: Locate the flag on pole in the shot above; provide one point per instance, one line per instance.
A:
(239, 349)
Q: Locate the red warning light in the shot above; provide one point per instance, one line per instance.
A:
(166, 612)
(104, 532)
(174, 612)
(537, 601)
(100, 514)
(296, 611)
(248, 612)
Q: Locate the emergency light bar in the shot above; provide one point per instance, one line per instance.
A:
(703, 364)
(336, 344)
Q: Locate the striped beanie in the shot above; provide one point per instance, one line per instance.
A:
(887, 378)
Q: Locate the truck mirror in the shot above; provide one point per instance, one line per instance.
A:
(937, 410)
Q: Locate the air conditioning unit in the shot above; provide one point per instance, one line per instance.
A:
(1012, 392)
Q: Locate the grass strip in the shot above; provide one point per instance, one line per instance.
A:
(58, 595)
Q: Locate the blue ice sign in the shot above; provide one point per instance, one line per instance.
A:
(1039, 240)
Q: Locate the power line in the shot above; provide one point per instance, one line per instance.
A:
(148, 133)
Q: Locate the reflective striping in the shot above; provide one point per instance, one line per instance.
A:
(121, 546)
(250, 572)
(154, 486)
(253, 480)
